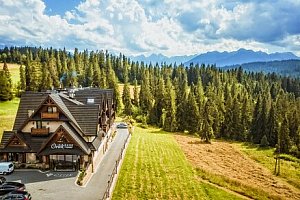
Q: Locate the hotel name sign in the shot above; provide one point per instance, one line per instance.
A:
(62, 146)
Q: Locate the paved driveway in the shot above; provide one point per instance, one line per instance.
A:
(61, 185)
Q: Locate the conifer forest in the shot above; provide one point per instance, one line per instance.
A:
(199, 99)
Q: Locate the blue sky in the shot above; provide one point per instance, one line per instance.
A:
(170, 27)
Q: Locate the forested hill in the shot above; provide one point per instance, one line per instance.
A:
(203, 100)
(284, 67)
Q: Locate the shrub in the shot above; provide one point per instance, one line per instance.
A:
(264, 141)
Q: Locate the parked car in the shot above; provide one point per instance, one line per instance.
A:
(122, 125)
(12, 185)
(16, 195)
(6, 167)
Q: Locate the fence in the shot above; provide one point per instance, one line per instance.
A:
(115, 171)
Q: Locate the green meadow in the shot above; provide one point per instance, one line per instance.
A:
(156, 168)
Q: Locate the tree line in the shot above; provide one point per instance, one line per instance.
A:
(203, 100)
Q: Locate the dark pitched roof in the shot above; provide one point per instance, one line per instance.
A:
(98, 95)
(7, 135)
(82, 115)
(29, 101)
(87, 117)
(78, 139)
(95, 144)
(56, 98)
(6, 139)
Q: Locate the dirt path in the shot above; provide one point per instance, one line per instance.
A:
(223, 159)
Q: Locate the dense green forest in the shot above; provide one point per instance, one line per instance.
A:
(282, 67)
(203, 100)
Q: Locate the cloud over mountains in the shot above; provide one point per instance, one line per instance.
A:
(171, 27)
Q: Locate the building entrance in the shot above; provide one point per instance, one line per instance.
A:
(63, 162)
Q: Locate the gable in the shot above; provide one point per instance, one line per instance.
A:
(16, 142)
(13, 142)
(65, 141)
(51, 108)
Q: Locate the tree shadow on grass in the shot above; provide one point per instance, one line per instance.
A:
(257, 147)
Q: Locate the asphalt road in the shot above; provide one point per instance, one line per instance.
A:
(61, 185)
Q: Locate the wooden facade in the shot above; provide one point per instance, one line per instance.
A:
(59, 129)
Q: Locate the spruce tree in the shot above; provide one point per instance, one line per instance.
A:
(22, 85)
(135, 94)
(169, 107)
(158, 102)
(272, 126)
(193, 118)
(6, 87)
(181, 100)
(126, 94)
(284, 137)
(146, 98)
(207, 131)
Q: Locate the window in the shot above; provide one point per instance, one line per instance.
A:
(38, 124)
(90, 100)
(50, 110)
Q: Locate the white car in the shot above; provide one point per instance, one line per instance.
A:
(122, 125)
(6, 167)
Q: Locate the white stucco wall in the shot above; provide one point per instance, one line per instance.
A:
(53, 126)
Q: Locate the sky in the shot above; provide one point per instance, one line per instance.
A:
(169, 27)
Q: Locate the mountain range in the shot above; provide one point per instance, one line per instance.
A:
(221, 59)
(160, 58)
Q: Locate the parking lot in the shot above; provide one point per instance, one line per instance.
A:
(48, 185)
(53, 185)
(28, 176)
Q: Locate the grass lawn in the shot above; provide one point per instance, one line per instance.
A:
(8, 110)
(14, 72)
(156, 168)
(290, 170)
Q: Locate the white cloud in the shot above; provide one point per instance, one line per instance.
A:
(171, 27)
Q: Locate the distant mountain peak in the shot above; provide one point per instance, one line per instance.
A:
(238, 57)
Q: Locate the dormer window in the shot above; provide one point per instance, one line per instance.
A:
(90, 101)
(52, 109)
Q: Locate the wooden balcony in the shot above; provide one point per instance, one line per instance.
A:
(46, 115)
(40, 131)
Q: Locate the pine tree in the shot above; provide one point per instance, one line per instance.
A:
(126, 94)
(146, 98)
(207, 132)
(246, 118)
(169, 107)
(181, 100)
(127, 100)
(47, 83)
(22, 84)
(6, 87)
(158, 102)
(71, 74)
(135, 94)
(272, 126)
(284, 137)
(193, 118)
(112, 83)
(96, 72)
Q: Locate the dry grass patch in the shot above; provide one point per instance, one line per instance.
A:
(227, 166)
